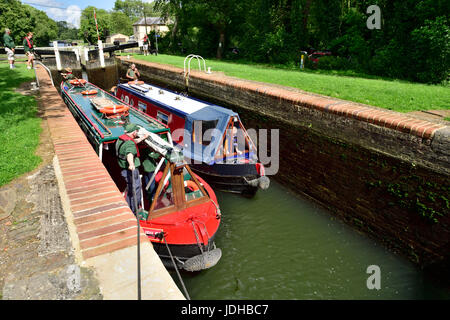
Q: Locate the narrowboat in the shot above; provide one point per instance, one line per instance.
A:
(213, 139)
(183, 217)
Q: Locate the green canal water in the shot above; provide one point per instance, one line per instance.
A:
(279, 245)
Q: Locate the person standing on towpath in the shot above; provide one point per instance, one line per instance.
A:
(28, 47)
(127, 153)
(9, 47)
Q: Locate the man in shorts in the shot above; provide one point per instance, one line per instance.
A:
(146, 45)
(9, 47)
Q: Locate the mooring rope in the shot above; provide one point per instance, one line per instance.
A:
(138, 236)
(197, 238)
(176, 268)
(200, 245)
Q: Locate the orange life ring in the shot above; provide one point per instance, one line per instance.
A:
(135, 82)
(114, 109)
(191, 185)
(88, 92)
(77, 82)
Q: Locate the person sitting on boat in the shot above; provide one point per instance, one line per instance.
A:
(149, 163)
(68, 74)
(133, 73)
(231, 143)
(234, 135)
(127, 153)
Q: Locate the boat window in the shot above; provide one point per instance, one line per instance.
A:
(142, 106)
(127, 99)
(192, 190)
(235, 142)
(165, 198)
(162, 117)
(203, 131)
(132, 102)
(121, 97)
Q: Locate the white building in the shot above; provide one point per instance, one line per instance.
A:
(117, 37)
(153, 24)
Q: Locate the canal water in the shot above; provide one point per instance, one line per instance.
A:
(279, 245)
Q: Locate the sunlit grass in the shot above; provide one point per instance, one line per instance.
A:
(19, 124)
(395, 95)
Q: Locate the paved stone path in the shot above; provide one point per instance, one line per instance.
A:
(36, 255)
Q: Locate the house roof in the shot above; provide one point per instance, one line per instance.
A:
(117, 34)
(150, 21)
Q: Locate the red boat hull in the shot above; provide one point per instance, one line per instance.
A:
(185, 231)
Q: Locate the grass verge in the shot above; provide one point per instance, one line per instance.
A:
(401, 96)
(19, 125)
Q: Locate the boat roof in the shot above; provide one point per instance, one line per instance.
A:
(108, 129)
(191, 109)
(178, 103)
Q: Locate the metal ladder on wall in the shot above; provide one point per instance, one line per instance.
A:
(188, 72)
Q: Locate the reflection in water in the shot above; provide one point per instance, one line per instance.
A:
(280, 246)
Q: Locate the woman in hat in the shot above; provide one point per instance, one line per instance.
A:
(68, 75)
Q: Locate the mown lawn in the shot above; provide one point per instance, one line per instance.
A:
(19, 125)
(395, 95)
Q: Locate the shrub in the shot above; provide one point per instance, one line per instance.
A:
(431, 51)
(333, 63)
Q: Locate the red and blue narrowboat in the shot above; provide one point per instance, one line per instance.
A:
(213, 139)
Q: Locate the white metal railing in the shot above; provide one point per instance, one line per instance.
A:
(48, 70)
(188, 72)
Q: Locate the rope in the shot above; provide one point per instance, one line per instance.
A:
(196, 237)
(138, 258)
(176, 268)
(138, 234)
(200, 245)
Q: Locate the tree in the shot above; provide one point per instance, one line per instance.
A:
(21, 19)
(276, 31)
(121, 23)
(66, 31)
(134, 9)
(170, 10)
(431, 51)
(45, 29)
(88, 29)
